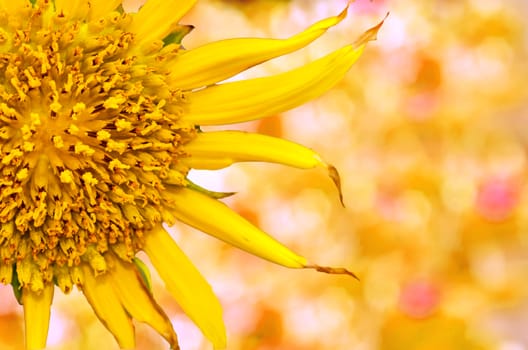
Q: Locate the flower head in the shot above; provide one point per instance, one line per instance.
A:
(100, 115)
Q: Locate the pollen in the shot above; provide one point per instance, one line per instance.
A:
(78, 113)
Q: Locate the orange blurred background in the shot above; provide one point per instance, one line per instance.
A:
(429, 131)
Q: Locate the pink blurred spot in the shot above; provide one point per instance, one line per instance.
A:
(497, 198)
(421, 106)
(419, 299)
(389, 207)
(368, 6)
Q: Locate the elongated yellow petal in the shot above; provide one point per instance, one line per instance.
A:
(256, 98)
(219, 149)
(138, 301)
(186, 284)
(220, 60)
(217, 219)
(157, 18)
(37, 315)
(211, 149)
(99, 8)
(107, 306)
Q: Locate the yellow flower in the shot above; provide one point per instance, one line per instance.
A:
(100, 115)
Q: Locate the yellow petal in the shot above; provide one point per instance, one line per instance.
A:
(37, 315)
(100, 8)
(219, 149)
(256, 98)
(220, 60)
(215, 150)
(138, 301)
(157, 18)
(186, 284)
(107, 306)
(217, 219)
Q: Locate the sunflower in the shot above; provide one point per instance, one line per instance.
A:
(100, 116)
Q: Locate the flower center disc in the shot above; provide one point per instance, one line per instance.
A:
(89, 142)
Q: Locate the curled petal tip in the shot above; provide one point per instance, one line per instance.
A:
(343, 13)
(371, 34)
(333, 270)
(334, 175)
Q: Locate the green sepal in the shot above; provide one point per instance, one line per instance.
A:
(17, 288)
(178, 34)
(213, 194)
(144, 272)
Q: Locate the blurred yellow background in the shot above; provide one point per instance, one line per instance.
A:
(429, 131)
